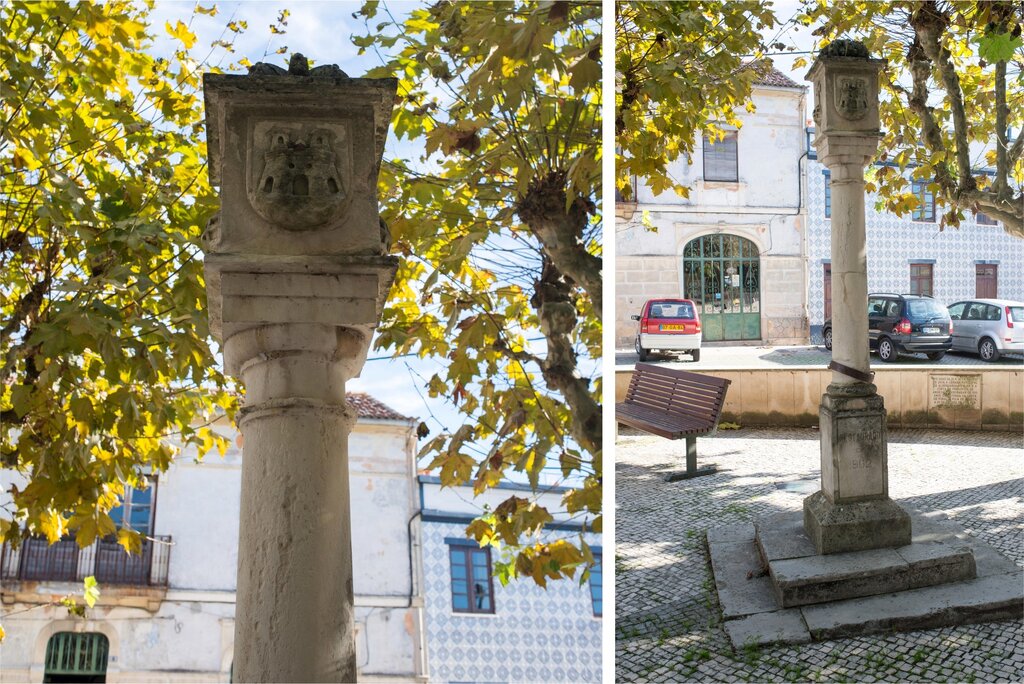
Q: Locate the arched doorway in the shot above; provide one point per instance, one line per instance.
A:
(76, 657)
(722, 274)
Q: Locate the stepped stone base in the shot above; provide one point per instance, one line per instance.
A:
(800, 576)
(774, 588)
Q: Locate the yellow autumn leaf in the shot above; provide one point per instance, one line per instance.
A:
(181, 32)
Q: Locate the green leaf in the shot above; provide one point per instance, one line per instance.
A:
(998, 47)
(91, 591)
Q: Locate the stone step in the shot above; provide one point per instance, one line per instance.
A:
(986, 599)
(800, 577)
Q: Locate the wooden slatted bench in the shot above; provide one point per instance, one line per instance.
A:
(674, 404)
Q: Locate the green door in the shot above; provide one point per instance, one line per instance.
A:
(76, 657)
(722, 274)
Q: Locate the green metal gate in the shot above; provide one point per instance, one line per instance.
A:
(76, 657)
(722, 274)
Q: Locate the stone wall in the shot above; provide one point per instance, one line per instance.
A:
(974, 398)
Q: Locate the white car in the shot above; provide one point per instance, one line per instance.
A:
(988, 327)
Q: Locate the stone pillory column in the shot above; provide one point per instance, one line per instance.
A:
(852, 511)
(296, 277)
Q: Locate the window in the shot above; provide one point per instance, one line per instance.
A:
(596, 580)
(472, 585)
(136, 509)
(984, 220)
(720, 158)
(76, 657)
(926, 210)
(921, 279)
(828, 194)
(956, 312)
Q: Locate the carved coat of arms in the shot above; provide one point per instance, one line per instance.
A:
(852, 98)
(298, 174)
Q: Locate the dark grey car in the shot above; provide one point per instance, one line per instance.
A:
(904, 324)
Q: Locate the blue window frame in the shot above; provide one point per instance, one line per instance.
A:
(985, 220)
(472, 583)
(828, 194)
(926, 210)
(136, 509)
(596, 581)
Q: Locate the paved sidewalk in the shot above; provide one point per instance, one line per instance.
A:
(795, 357)
(668, 623)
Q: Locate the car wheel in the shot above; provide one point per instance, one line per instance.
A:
(828, 339)
(641, 352)
(696, 354)
(936, 356)
(988, 350)
(886, 351)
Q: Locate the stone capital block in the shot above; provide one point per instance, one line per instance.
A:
(845, 82)
(343, 292)
(854, 455)
(296, 158)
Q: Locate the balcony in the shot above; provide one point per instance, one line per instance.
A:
(35, 560)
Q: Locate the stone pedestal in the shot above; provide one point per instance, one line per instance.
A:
(853, 511)
(296, 275)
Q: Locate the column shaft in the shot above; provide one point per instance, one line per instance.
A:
(849, 272)
(294, 606)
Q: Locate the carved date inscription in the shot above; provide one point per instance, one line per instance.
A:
(956, 391)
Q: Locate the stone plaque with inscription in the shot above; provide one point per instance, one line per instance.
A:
(955, 391)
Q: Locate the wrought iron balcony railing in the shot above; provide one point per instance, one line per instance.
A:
(37, 560)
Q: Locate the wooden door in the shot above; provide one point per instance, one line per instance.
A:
(986, 278)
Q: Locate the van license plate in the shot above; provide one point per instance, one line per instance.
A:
(931, 331)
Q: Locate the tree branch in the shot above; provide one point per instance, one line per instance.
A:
(560, 232)
(929, 23)
(557, 314)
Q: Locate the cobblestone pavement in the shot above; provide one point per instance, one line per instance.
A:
(814, 356)
(668, 622)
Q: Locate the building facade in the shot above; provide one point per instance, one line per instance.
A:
(910, 254)
(736, 244)
(168, 615)
(480, 631)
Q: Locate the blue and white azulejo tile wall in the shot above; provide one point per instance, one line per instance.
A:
(894, 243)
(534, 635)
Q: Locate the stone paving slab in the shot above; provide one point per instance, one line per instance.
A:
(782, 536)
(989, 598)
(668, 622)
(780, 627)
(740, 579)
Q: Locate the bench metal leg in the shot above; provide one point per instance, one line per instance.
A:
(691, 464)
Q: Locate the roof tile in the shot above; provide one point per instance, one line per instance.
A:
(368, 407)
